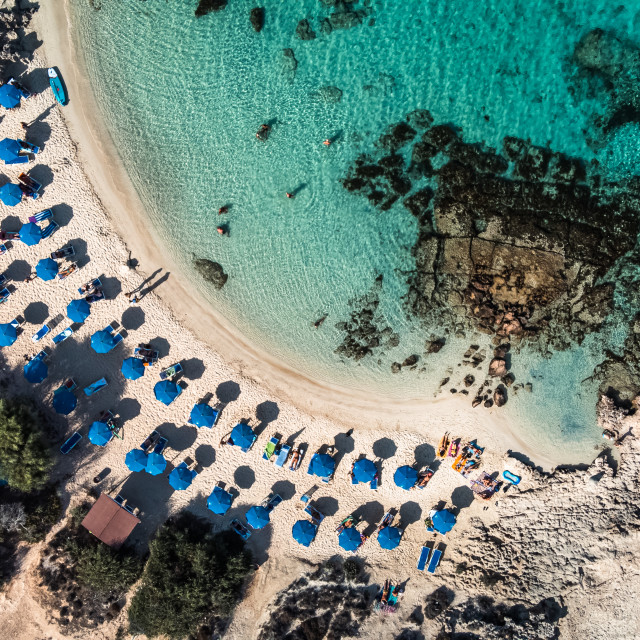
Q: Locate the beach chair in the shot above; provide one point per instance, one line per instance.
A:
(117, 338)
(70, 443)
(3, 279)
(41, 333)
(30, 187)
(240, 529)
(50, 229)
(272, 502)
(95, 297)
(270, 449)
(435, 560)
(171, 372)
(21, 90)
(119, 500)
(9, 235)
(65, 252)
(95, 386)
(349, 521)
(386, 521)
(28, 147)
(424, 557)
(42, 216)
(296, 458)
(90, 286)
(283, 455)
(149, 441)
(374, 483)
(16, 323)
(4, 247)
(316, 516)
(4, 294)
(62, 336)
(65, 273)
(160, 445)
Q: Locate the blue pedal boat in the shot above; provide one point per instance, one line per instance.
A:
(56, 85)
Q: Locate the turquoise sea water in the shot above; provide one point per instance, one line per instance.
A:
(183, 98)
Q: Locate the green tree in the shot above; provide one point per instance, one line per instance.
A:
(105, 570)
(25, 460)
(190, 576)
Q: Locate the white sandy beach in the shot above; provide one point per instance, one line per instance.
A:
(95, 207)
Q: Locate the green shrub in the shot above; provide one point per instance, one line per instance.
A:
(25, 460)
(190, 576)
(104, 570)
(351, 569)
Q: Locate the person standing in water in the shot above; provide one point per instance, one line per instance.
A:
(290, 195)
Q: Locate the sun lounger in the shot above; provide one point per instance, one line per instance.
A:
(65, 273)
(424, 557)
(119, 499)
(15, 323)
(95, 386)
(65, 252)
(349, 521)
(296, 458)
(374, 483)
(316, 516)
(273, 502)
(42, 216)
(29, 186)
(171, 372)
(41, 333)
(4, 294)
(95, 297)
(70, 384)
(283, 455)
(28, 147)
(150, 441)
(4, 247)
(9, 235)
(386, 521)
(240, 529)
(160, 445)
(70, 443)
(3, 279)
(90, 286)
(129, 508)
(118, 337)
(435, 560)
(63, 335)
(270, 449)
(50, 229)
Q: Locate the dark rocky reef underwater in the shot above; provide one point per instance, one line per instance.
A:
(211, 271)
(207, 6)
(524, 244)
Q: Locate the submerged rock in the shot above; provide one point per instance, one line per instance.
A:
(500, 396)
(257, 18)
(211, 271)
(289, 64)
(327, 94)
(304, 30)
(207, 6)
(345, 19)
(433, 346)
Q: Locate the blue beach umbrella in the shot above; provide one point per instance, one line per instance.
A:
(102, 341)
(322, 465)
(9, 151)
(304, 532)
(9, 96)
(181, 478)
(47, 269)
(443, 521)
(349, 539)
(11, 195)
(64, 401)
(8, 335)
(219, 501)
(166, 391)
(389, 537)
(242, 435)
(100, 434)
(155, 463)
(364, 470)
(257, 517)
(78, 310)
(405, 477)
(30, 233)
(136, 460)
(202, 415)
(132, 368)
(35, 370)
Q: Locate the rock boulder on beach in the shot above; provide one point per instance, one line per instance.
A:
(500, 396)
(497, 368)
(211, 271)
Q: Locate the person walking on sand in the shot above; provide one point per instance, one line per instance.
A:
(133, 300)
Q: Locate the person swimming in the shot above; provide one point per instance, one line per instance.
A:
(263, 132)
(222, 210)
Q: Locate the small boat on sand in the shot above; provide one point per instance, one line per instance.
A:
(56, 85)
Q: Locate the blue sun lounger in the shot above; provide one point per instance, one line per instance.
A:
(316, 516)
(424, 557)
(374, 483)
(150, 441)
(41, 333)
(273, 502)
(3, 279)
(50, 229)
(4, 294)
(240, 529)
(285, 449)
(118, 337)
(42, 216)
(171, 372)
(63, 335)
(70, 443)
(29, 147)
(160, 445)
(95, 386)
(435, 560)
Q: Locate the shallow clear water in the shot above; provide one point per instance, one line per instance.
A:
(183, 98)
